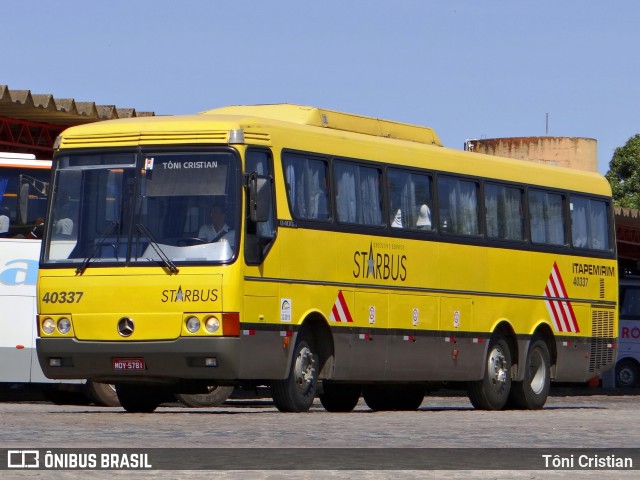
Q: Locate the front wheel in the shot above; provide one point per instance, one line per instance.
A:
(297, 391)
(627, 374)
(137, 399)
(492, 392)
(531, 393)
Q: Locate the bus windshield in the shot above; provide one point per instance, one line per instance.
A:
(158, 207)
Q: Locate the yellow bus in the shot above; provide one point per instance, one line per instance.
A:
(319, 253)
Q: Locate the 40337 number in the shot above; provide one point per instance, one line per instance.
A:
(62, 297)
(581, 281)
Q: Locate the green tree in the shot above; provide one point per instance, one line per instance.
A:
(624, 174)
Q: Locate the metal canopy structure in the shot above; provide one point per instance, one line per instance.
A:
(30, 123)
(628, 238)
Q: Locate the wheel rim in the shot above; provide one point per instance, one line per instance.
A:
(537, 372)
(497, 368)
(304, 369)
(625, 376)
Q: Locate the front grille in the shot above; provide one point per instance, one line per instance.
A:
(602, 333)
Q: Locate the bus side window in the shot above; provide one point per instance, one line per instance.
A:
(458, 206)
(358, 194)
(630, 303)
(504, 212)
(307, 184)
(409, 200)
(546, 217)
(589, 223)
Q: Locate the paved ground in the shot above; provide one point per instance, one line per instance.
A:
(587, 420)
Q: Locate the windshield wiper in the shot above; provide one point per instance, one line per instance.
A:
(99, 243)
(154, 244)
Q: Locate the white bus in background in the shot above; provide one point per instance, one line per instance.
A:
(19, 255)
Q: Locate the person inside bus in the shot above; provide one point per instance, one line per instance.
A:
(424, 218)
(396, 222)
(63, 227)
(37, 230)
(217, 229)
(4, 222)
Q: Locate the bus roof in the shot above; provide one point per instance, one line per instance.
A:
(318, 117)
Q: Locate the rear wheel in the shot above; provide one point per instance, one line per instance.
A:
(393, 397)
(103, 394)
(492, 392)
(216, 396)
(339, 397)
(531, 393)
(627, 374)
(138, 399)
(297, 391)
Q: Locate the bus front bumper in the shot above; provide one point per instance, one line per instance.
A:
(155, 362)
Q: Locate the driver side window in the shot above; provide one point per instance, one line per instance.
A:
(259, 235)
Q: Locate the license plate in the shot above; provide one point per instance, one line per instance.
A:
(128, 364)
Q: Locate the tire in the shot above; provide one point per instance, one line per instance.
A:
(532, 392)
(393, 397)
(216, 396)
(297, 391)
(339, 397)
(63, 394)
(492, 392)
(627, 374)
(137, 399)
(102, 394)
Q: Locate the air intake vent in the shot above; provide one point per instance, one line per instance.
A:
(601, 338)
(602, 288)
(602, 323)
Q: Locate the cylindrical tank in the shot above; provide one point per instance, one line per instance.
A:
(572, 152)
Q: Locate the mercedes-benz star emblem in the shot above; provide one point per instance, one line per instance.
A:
(125, 327)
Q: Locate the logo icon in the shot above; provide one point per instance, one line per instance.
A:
(23, 459)
(125, 327)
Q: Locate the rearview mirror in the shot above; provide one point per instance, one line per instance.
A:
(259, 198)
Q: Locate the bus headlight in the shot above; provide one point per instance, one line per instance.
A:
(64, 325)
(48, 326)
(212, 324)
(193, 324)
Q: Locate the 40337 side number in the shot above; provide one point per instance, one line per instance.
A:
(62, 297)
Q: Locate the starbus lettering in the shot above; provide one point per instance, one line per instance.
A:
(379, 266)
(189, 295)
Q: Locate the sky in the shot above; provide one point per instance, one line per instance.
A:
(466, 68)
